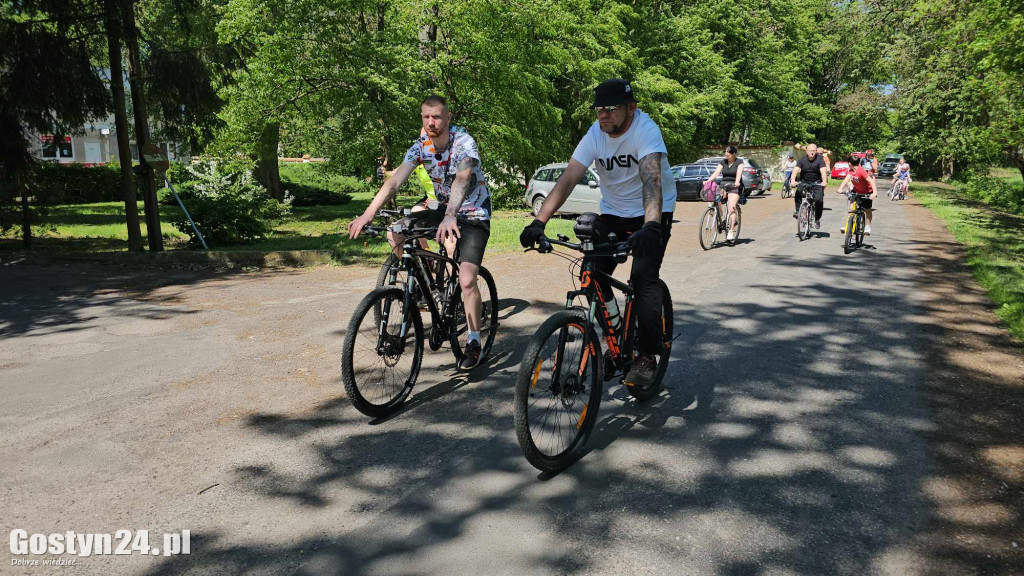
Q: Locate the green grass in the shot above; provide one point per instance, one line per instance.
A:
(1009, 174)
(995, 247)
(84, 228)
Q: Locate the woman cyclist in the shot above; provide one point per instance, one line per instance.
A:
(731, 169)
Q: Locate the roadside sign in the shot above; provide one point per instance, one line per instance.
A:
(155, 157)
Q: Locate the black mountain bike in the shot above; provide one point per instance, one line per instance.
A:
(855, 220)
(560, 380)
(383, 348)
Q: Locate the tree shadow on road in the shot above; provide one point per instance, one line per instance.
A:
(815, 461)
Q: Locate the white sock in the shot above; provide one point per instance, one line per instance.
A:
(473, 336)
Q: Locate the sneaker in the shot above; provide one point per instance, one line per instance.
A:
(817, 224)
(794, 213)
(730, 236)
(471, 356)
(642, 373)
(867, 230)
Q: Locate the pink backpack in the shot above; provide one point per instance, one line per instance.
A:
(710, 191)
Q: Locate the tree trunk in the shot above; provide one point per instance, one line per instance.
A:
(1017, 155)
(428, 34)
(26, 214)
(267, 172)
(124, 153)
(154, 236)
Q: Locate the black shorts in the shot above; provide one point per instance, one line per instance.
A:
(865, 202)
(473, 235)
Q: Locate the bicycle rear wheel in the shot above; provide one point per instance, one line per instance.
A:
(738, 222)
(378, 366)
(708, 231)
(488, 316)
(558, 391)
(646, 393)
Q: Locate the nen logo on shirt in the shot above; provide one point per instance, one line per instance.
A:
(623, 160)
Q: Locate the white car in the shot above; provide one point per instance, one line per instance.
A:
(585, 197)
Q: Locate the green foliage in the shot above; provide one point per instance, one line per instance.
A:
(53, 183)
(228, 207)
(997, 192)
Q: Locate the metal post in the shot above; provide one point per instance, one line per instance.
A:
(190, 220)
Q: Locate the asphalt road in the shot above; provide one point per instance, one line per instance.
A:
(212, 402)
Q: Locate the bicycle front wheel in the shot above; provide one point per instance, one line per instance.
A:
(488, 316)
(851, 225)
(378, 366)
(708, 231)
(803, 222)
(860, 229)
(646, 393)
(558, 391)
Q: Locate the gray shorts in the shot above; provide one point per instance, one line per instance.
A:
(473, 240)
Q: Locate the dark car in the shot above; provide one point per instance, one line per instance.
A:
(690, 179)
(754, 178)
(888, 166)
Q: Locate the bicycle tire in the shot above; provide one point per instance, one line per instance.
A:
(530, 398)
(488, 318)
(851, 223)
(803, 222)
(860, 229)
(707, 233)
(739, 222)
(646, 393)
(351, 366)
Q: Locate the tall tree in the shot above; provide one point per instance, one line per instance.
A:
(141, 116)
(47, 84)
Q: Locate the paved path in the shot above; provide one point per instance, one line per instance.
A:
(212, 402)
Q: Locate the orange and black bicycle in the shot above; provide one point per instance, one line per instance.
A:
(562, 374)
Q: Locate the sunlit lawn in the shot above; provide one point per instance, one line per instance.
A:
(995, 247)
(101, 228)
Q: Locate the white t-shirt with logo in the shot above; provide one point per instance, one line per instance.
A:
(617, 163)
(443, 166)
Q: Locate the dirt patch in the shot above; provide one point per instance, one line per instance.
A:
(975, 390)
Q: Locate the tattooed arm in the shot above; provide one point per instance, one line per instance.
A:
(650, 175)
(464, 181)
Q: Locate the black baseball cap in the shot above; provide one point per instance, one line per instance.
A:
(613, 92)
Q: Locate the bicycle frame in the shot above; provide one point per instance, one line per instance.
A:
(413, 257)
(617, 343)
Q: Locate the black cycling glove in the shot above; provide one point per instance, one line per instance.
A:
(647, 240)
(531, 234)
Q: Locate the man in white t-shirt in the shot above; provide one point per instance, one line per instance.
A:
(637, 199)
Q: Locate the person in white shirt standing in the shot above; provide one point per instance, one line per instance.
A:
(637, 199)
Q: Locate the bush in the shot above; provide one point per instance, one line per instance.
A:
(54, 183)
(305, 195)
(996, 192)
(507, 198)
(228, 207)
(317, 175)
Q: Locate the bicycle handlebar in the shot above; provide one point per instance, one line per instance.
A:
(613, 249)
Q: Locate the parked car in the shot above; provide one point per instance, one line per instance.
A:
(754, 177)
(585, 197)
(840, 170)
(887, 167)
(690, 179)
